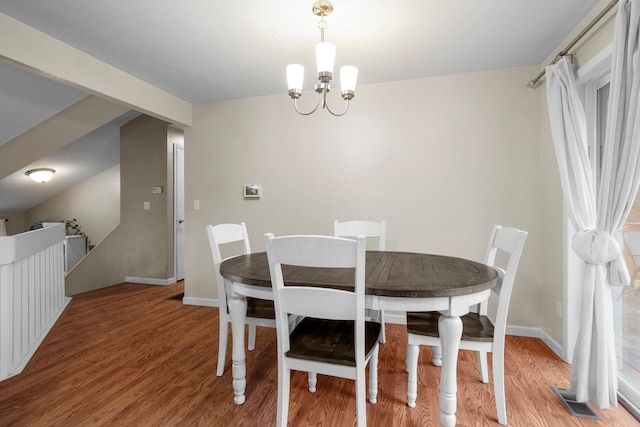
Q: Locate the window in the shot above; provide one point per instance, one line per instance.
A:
(626, 301)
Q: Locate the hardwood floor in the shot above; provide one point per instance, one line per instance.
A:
(129, 355)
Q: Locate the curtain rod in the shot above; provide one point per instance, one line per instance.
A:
(534, 83)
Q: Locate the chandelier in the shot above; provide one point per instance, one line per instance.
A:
(325, 59)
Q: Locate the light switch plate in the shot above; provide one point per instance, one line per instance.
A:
(147, 206)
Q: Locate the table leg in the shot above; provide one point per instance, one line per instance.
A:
(450, 330)
(238, 313)
(412, 368)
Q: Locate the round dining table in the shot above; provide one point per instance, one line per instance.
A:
(401, 281)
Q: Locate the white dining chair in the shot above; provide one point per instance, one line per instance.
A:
(259, 312)
(479, 332)
(370, 230)
(333, 338)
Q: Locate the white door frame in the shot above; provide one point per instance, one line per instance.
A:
(178, 212)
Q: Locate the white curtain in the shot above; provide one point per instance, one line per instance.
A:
(599, 216)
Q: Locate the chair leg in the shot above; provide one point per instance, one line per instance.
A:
(436, 353)
(373, 376)
(252, 337)
(498, 386)
(222, 344)
(312, 380)
(412, 366)
(378, 316)
(483, 367)
(361, 397)
(284, 378)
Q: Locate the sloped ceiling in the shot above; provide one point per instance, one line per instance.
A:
(207, 50)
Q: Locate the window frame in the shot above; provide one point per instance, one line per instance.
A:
(590, 78)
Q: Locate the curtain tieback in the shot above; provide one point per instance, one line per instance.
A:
(595, 246)
(600, 248)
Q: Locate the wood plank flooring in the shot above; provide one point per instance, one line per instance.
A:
(129, 355)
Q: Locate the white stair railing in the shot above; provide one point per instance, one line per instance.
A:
(32, 294)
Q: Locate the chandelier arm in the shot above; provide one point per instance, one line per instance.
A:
(295, 105)
(326, 105)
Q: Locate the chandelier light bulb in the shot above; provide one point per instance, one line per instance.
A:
(348, 78)
(325, 57)
(295, 76)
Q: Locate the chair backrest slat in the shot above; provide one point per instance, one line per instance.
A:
(377, 229)
(318, 303)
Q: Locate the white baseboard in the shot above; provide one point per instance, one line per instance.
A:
(523, 331)
(554, 345)
(205, 302)
(148, 281)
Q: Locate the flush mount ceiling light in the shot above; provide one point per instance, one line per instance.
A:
(41, 174)
(325, 59)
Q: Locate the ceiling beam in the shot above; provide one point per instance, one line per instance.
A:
(83, 117)
(27, 48)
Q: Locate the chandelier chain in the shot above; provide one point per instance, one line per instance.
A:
(322, 25)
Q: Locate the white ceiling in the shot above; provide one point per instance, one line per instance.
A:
(76, 162)
(210, 50)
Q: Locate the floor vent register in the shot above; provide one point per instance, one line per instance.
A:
(577, 409)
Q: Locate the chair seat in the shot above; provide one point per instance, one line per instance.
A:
(330, 341)
(478, 333)
(474, 326)
(260, 308)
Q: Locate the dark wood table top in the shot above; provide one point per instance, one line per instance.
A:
(388, 274)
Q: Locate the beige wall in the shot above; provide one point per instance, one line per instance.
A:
(441, 159)
(16, 224)
(551, 215)
(143, 165)
(139, 247)
(94, 203)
